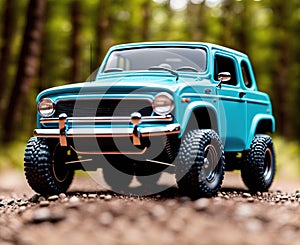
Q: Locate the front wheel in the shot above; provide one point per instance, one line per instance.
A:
(45, 168)
(259, 167)
(200, 165)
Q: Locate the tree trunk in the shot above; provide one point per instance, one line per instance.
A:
(281, 66)
(102, 33)
(196, 27)
(146, 17)
(76, 41)
(27, 67)
(8, 34)
(226, 20)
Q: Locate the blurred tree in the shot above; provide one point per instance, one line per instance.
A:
(295, 71)
(146, 17)
(196, 21)
(104, 24)
(76, 41)
(227, 19)
(8, 35)
(78, 34)
(28, 66)
(281, 63)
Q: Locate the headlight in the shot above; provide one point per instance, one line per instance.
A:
(163, 104)
(46, 107)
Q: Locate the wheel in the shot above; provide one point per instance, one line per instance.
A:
(259, 167)
(44, 166)
(117, 173)
(199, 168)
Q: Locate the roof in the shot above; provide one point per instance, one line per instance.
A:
(209, 46)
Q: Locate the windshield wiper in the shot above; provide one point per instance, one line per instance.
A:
(161, 68)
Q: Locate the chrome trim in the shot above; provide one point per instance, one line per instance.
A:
(38, 107)
(107, 132)
(170, 97)
(109, 152)
(146, 119)
(63, 132)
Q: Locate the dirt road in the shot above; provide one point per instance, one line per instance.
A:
(89, 214)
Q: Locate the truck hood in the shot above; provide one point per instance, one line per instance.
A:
(125, 83)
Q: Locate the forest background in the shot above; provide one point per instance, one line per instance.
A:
(45, 43)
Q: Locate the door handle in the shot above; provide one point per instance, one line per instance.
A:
(242, 94)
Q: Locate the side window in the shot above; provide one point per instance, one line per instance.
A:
(225, 64)
(246, 74)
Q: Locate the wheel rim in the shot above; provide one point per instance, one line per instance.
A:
(60, 170)
(210, 163)
(268, 161)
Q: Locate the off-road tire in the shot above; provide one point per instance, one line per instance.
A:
(44, 167)
(200, 165)
(258, 169)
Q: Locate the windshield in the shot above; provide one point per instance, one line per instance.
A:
(174, 58)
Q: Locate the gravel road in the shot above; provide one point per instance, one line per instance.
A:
(89, 214)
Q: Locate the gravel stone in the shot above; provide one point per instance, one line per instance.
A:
(62, 196)
(34, 198)
(74, 202)
(44, 215)
(108, 197)
(10, 202)
(92, 195)
(53, 198)
(250, 199)
(21, 209)
(201, 204)
(41, 215)
(169, 218)
(23, 203)
(246, 195)
(41, 198)
(44, 203)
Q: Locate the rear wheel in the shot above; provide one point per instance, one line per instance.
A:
(259, 167)
(45, 168)
(200, 166)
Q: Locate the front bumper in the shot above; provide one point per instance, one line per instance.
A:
(88, 127)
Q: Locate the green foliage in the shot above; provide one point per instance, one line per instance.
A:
(12, 155)
(287, 157)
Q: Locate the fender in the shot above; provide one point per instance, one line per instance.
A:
(254, 126)
(191, 108)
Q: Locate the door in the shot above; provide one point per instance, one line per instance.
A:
(232, 104)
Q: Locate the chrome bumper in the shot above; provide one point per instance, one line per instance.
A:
(138, 131)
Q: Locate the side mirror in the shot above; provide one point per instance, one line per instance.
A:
(223, 77)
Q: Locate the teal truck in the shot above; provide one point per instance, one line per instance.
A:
(187, 108)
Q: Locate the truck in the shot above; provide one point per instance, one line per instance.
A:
(192, 109)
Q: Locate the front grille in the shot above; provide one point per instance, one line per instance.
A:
(103, 108)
